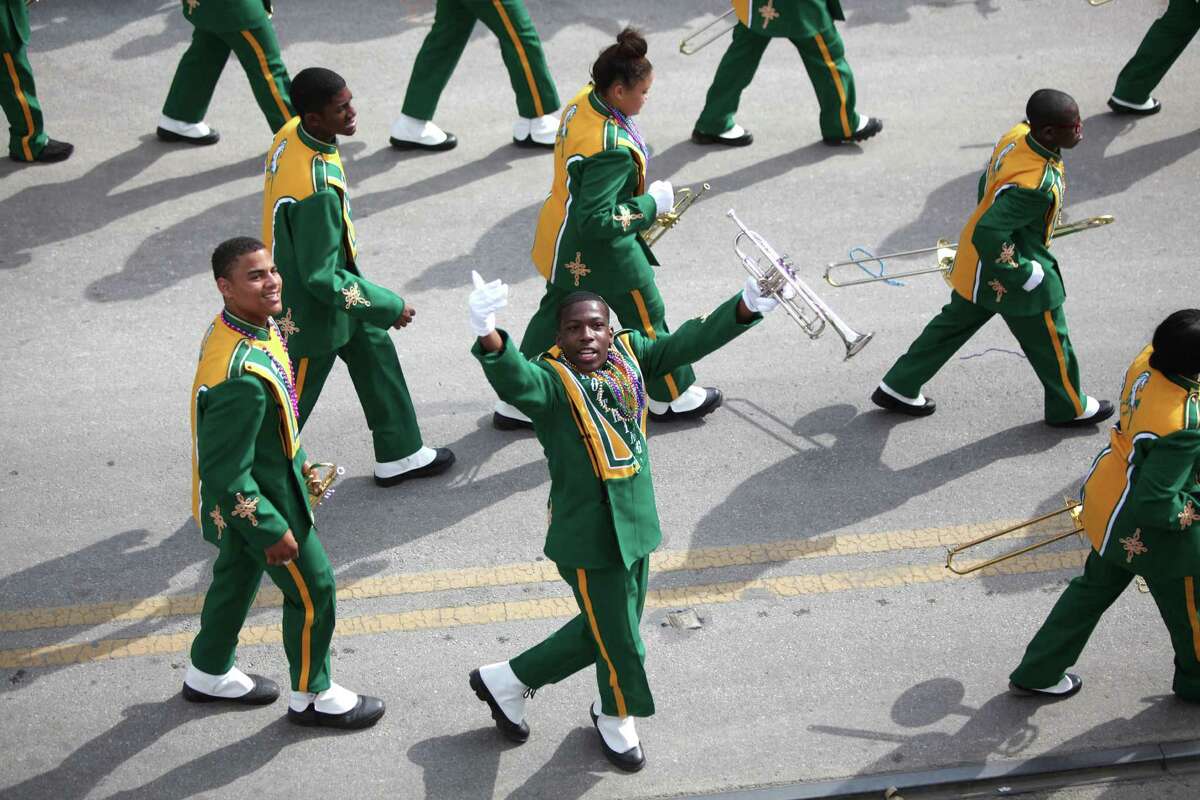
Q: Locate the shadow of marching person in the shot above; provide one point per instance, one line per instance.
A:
(898, 12)
(571, 771)
(462, 766)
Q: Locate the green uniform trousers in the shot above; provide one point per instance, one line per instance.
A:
(1061, 638)
(18, 97)
(641, 309)
(374, 367)
(1043, 338)
(604, 633)
(1166, 39)
(519, 46)
(200, 68)
(309, 600)
(825, 59)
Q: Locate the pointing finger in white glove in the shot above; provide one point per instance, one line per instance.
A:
(485, 300)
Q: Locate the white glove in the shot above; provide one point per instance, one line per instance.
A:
(485, 300)
(760, 303)
(664, 196)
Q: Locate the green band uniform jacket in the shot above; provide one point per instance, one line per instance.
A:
(788, 18)
(225, 16)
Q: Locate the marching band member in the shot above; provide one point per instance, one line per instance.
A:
(220, 27)
(331, 310)
(1139, 502)
(250, 480)
(1165, 41)
(1004, 266)
(587, 232)
(809, 26)
(27, 139)
(521, 49)
(587, 399)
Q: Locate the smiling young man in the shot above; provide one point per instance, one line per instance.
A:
(250, 499)
(1004, 266)
(330, 310)
(586, 397)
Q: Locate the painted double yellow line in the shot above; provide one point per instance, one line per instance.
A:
(532, 572)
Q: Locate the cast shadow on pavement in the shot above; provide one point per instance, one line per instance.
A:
(145, 724)
(53, 212)
(569, 774)
(897, 12)
(1091, 175)
(1003, 727)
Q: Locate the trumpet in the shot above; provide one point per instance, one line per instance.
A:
(665, 221)
(688, 47)
(1072, 507)
(775, 276)
(946, 251)
(320, 486)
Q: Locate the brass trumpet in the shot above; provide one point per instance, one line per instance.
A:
(946, 251)
(775, 275)
(665, 221)
(1072, 507)
(687, 47)
(320, 486)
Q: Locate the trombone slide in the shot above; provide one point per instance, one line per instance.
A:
(1072, 507)
(688, 47)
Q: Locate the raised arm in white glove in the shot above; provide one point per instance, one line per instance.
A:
(664, 196)
(485, 300)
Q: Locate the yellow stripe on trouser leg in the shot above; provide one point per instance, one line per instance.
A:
(648, 328)
(266, 71)
(301, 373)
(581, 575)
(1189, 591)
(306, 633)
(837, 82)
(20, 95)
(516, 40)
(1062, 362)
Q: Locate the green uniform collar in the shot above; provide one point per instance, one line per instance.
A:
(1192, 385)
(598, 105)
(315, 143)
(1039, 149)
(260, 334)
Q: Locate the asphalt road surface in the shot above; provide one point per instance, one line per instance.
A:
(804, 529)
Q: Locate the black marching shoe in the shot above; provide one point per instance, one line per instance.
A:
(172, 137)
(504, 423)
(712, 401)
(631, 760)
(441, 462)
(885, 401)
(265, 692)
(449, 143)
(1121, 108)
(1105, 411)
(713, 138)
(366, 712)
(1075, 681)
(508, 729)
(874, 125)
(53, 152)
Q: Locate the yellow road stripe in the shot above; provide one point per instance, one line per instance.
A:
(853, 544)
(516, 40)
(837, 82)
(548, 608)
(306, 632)
(1062, 362)
(267, 76)
(618, 695)
(1189, 589)
(16, 82)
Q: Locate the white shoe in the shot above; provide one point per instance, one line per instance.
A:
(618, 733)
(409, 133)
(693, 398)
(506, 689)
(232, 684)
(506, 417)
(390, 469)
(736, 132)
(334, 700)
(188, 130)
(540, 131)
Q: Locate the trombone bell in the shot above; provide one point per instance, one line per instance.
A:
(1072, 507)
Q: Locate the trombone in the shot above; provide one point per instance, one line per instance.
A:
(688, 47)
(665, 221)
(775, 276)
(1072, 507)
(946, 250)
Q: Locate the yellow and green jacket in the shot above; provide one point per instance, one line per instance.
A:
(1004, 261)
(1142, 494)
(601, 511)
(309, 229)
(246, 453)
(224, 16)
(794, 19)
(587, 231)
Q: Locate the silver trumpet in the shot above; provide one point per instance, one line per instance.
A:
(775, 275)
